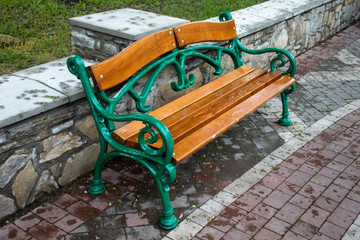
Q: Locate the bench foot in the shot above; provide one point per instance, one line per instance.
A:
(284, 121)
(96, 187)
(168, 222)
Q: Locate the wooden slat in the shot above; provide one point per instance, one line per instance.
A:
(186, 121)
(131, 129)
(201, 115)
(204, 135)
(204, 32)
(206, 101)
(120, 67)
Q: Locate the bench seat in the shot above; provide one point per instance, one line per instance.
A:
(198, 117)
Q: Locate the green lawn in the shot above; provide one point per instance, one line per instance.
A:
(36, 31)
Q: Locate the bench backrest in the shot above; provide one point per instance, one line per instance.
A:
(120, 67)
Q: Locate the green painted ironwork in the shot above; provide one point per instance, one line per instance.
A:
(158, 161)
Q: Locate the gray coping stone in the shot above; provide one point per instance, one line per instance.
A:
(294, 7)
(56, 75)
(263, 15)
(35, 90)
(22, 98)
(126, 23)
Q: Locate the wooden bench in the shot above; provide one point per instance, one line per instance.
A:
(163, 138)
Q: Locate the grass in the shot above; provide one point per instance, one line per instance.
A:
(36, 31)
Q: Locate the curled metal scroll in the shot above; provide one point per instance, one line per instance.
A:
(279, 61)
(225, 16)
(154, 137)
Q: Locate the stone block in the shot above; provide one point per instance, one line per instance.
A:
(55, 169)
(122, 41)
(110, 48)
(57, 145)
(3, 138)
(23, 185)
(338, 8)
(314, 22)
(12, 165)
(79, 163)
(97, 46)
(82, 40)
(280, 38)
(330, 18)
(7, 206)
(87, 127)
(46, 183)
(348, 11)
(62, 127)
(87, 32)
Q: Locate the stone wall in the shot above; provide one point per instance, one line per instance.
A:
(44, 152)
(295, 25)
(48, 150)
(98, 45)
(102, 35)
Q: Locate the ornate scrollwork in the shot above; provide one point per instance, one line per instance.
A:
(76, 66)
(145, 142)
(225, 16)
(139, 101)
(279, 61)
(72, 65)
(183, 80)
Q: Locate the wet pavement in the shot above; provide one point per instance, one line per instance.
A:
(258, 180)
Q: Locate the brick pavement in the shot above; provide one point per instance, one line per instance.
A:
(259, 180)
(313, 194)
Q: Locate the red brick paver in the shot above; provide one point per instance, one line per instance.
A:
(313, 194)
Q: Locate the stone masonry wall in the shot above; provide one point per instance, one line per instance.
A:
(99, 46)
(44, 152)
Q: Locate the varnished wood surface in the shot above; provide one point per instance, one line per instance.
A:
(202, 112)
(177, 105)
(194, 121)
(204, 32)
(186, 121)
(120, 67)
(213, 129)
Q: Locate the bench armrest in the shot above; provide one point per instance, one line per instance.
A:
(103, 117)
(154, 127)
(278, 61)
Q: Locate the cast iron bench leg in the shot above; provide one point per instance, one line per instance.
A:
(285, 120)
(168, 220)
(97, 187)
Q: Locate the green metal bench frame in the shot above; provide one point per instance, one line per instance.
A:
(158, 161)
